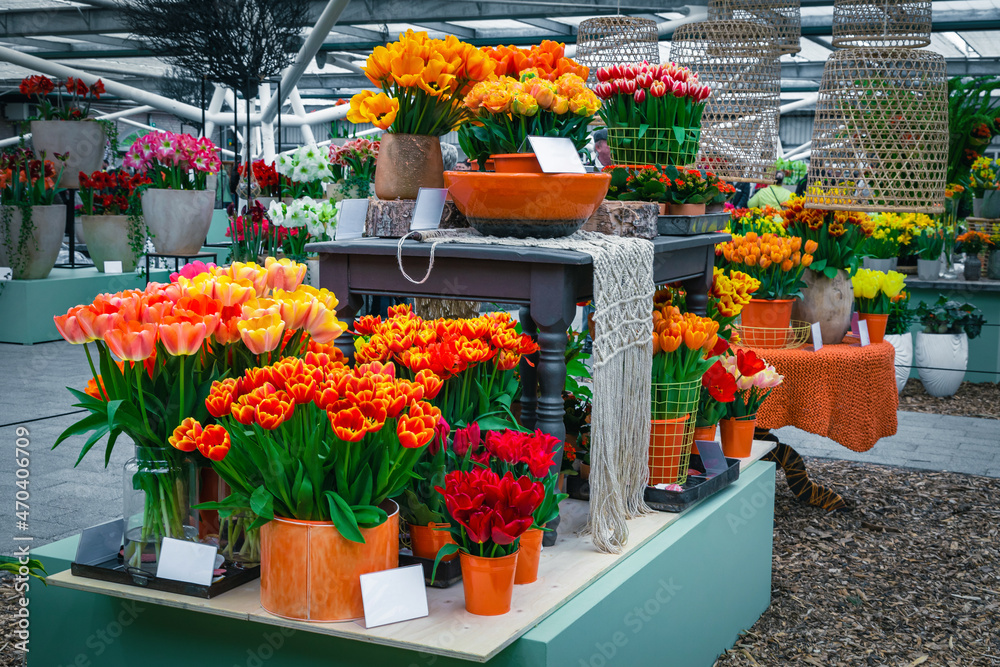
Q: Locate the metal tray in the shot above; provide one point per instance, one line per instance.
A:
(114, 571)
(697, 487)
(449, 572)
(689, 225)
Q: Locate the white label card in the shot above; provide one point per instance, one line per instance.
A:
(112, 266)
(189, 562)
(557, 155)
(428, 209)
(817, 336)
(6, 273)
(391, 596)
(351, 219)
(863, 332)
(713, 458)
(100, 543)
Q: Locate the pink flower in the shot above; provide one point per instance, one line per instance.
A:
(191, 269)
(768, 378)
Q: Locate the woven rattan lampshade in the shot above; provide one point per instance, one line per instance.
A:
(880, 138)
(616, 40)
(782, 15)
(881, 23)
(739, 129)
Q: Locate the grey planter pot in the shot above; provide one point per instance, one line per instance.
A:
(828, 302)
(973, 268)
(43, 248)
(991, 205)
(178, 220)
(993, 268)
(83, 141)
(883, 265)
(108, 236)
(929, 269)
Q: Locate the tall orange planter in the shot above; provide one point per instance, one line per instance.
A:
(669, 440)
(706, 433)
(310, 572)
(426, 541)
(528, 554)
(488, 583)
(761, 314)
(737, 437)
(876, 326)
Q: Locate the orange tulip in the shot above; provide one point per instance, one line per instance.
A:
(220, 398)
(131, 341)
(261, 334)
(274, 411)
(435, 78)
(348, 425)
(181, 337)
(227, 332)
(185, 436)
(378, 68)
(69, 327)
(214, 442)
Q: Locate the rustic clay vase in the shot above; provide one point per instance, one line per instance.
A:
(827, 301)
(737, 437)
(178, 220)
(42, 249)
(528, 554)
(488, 583)
(310, 572)
(108, 240)
(426, 541)
(876, 326)
(82, 141)
(669, 440)
(406, 163)
(516, 163)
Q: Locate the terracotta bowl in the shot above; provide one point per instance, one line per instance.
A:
(526, 205)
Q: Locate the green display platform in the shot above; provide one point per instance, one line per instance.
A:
(680, 599)
(28, 306)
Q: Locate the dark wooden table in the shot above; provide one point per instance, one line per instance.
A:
(546, 283)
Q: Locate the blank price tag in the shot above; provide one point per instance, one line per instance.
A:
(112, 266)
(100, 543)
(557, 155)
(6, 273)
(863, 333)
(428, 209)
(817, 335)
(189, 562)
(391, 596)
(351, 219)
(713, 458)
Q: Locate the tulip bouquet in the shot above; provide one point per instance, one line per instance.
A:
(508, 110)
(306, 171)
(731, 290)
(776, 262)
(547, 60)
(420, 504)
(531, 455)
(683, 347)
(875, 290)
(838, 235)
(755, 380)
(765, 220)
(313, 440)
(423, 82)
(174, 161)
(265, 174)
(718, 391)
(303, 221)
(929, 243)
(252, 234)
(889, 233)
(25, 182)
(653, 112)
(75, 106)
(117, 193)
(474, 358)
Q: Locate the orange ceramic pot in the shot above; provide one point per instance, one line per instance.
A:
(528, 554)
(737, 437)
(876, 326)
(426, 541)
(669, 440)
(706, 433)
(488, 583)
(763, 320)
(310, 572)
(523, 205)
(516, 163)
(687, 209)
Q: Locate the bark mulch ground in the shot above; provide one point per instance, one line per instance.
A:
(980, 399)
(909, 576)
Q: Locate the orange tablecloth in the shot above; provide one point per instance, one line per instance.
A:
(844, 392)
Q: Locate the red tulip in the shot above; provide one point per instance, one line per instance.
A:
(749, 363)
(603, 74)
(508, 526)
(630, 72)
(466, 438)
(658, 89)
(628, 86)
(616, 71)
(640, 96)
(213, 443)
(720, 384)
(645, 79)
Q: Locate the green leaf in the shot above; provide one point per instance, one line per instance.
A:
(444, 551)
(818, 266)
(830, 272)
(343, 518)
(497, 424)
(262, 503)
(369, 515)
(88, 423)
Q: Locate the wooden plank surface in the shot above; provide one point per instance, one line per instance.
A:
(448, 630)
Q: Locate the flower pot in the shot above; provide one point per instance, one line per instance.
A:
(342, 190)
(488, 583)
(669, 448)
(426, 541)
(883, 265)
(991, 205)
(993, 267)
(584, 471)
(528, 554)
(706, 433)
(977, 207)
(178, 220)
(516, 163)
(929, 269)
(762, 317)
(406, 163)
(973, 268)
(41, 250)
(108, 240)
(715, 208)
(827, 301)
(310, 572)
(934, 355)
(82, 141)
(876, 326)
(687, 209)
(903, 343)
(664, 208)
(737, 437)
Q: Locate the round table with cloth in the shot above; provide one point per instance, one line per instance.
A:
(843, 392)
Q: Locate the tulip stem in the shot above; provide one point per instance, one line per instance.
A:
(180, 412)
(97, 378)
(142, 400)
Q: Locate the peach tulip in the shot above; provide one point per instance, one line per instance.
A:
(284, 274)
(131, 340)
(182, 337)
(262, 334)
(69, 327)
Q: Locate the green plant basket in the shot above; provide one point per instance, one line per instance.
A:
(673, 412)
(676, 146)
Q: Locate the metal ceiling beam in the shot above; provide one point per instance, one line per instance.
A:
(551, 26)
(459, 31)
(354, 31)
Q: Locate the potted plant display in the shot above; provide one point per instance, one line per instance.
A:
(755, 380)
(941, 350)
(873, 294)
(31, 223)
(112, 217)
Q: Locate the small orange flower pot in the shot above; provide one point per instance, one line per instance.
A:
(310, 572)
(488, 583)
(876, 326)
(687, 209)
(761, 315)
(516, 163)
(737, 437)
(703, 433)
(528, 554)
(669, 439)
(426, 541)
(664, 208)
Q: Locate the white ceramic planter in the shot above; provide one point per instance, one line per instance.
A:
(178, 220)
(42, 249)
(935, 355)
(82, 141)
(109, 241)
(903, 344)
(929, 269)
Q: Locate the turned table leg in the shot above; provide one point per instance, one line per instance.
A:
(529, 375)
(698, 288)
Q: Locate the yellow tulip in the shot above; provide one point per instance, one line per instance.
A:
(284, 273)
(379, 66)
(296, 308)
(231, 292)
(261, 334)
(323, 326)
(893, 284)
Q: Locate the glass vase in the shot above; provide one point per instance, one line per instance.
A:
(238, 542)
(159, 494)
